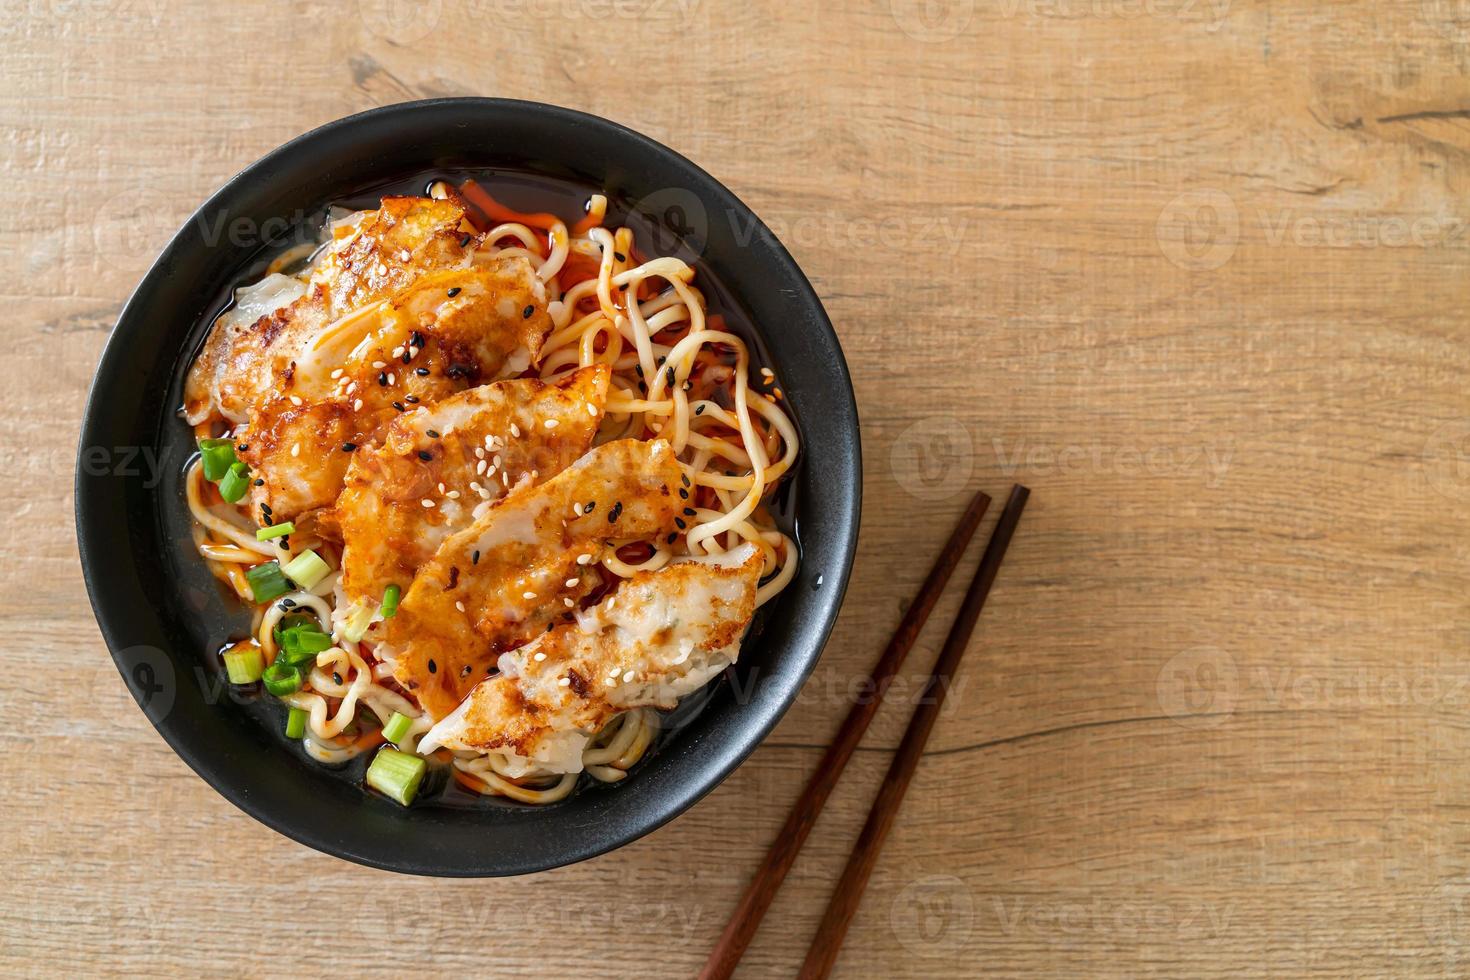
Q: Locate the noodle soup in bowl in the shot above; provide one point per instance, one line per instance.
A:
(487, 448)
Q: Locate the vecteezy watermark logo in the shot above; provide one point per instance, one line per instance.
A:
(400, 21)
(151, 679)
(932, 21)
(1446, 913)
(128, 462)
(1447, 459)
(131, 227)
(1199, 230)
(679, 223)
(1449, 17)
(934, 458)
(933, 915)
(1198, 688)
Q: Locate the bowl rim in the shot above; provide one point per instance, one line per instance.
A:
(92, 534)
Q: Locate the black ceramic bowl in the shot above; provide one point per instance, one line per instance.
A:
(163, 616)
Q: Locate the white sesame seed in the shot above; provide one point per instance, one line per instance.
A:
(412, 352)
(296, 449)
(479, 511)
(490, 471)
(627, 676)
(352, 387)
(564, 682)
(612, 602)
(441, 488)
(479, 468)
(379, 365)
(398, 351)
(583, 559)
(392, 378)
(459, 606)
(405, 255)
(550, 423)
(489, 442)
(495, 461)
(572, 582)
(382, 269)
(766, 372)
(357, 405)
(452, 495)
(295, 400)
(515, 430)
(566, 601)
(539, 656)
(592, 410)
(427, 502)
(337, 373)
(528, 595)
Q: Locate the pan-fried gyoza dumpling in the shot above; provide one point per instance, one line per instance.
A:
(437, 468)
(445, 332)
(661, 635)
(525, 562)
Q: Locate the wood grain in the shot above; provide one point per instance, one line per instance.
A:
(1193, 270)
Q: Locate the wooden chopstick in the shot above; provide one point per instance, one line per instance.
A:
(767, 879)
(849, 891)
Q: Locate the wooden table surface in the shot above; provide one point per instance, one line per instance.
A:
(1194, 270)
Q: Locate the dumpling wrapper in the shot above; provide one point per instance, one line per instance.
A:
(660, 636)
(377, 254)
(452, 330)
(473, 454)
(522, 565)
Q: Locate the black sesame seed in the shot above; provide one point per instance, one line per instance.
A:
(399, 406)
(433, 667)
(348, 447)
(699, 410)
(283, 544)
(689, 511)
(526, 313)
(587, 205)
(260, 483)
(425, 455)
(466, 671)
(406, 357)
(684, 478)
(669, 373)
(265, 508)
(679, 523)
(243, 447)
(638, 368)
(684, 493)
(454, 292)
(431, 433)
(453, 576)
(465, 240)
(422, 372)
(591, 506)
(382, 379)
(336, 677)
(660, 360)
(671, 538)
(475, 558)
(412, 399)
(620, 256)
(287, 603)
(416, 339)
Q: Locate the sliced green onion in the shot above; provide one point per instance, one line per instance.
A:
(391, 596)
(357, 623)
(306, 569)
(396, 774)
(275, 531)
(244, 665)
(296, 723)
(267, 582)
(301, 643)
(397, 727)
(217, 456)
(233, 484)
(281, 679)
